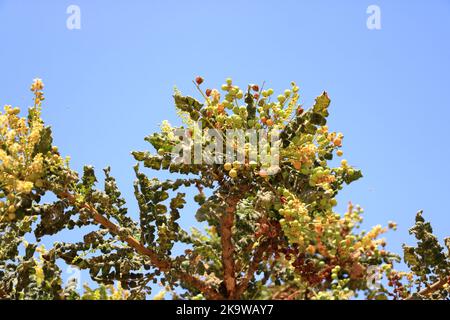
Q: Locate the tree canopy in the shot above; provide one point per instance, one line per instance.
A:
(272, 231)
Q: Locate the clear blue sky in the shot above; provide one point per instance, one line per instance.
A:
(110, 83)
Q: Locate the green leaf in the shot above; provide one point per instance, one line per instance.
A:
(89, 178)
(349, 178)
(189, 105)
(447, 243)
(409, 256)
(318, 119)
(321, 104)
(381, 296)
(45, 143)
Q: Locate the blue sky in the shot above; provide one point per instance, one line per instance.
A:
(110, 83)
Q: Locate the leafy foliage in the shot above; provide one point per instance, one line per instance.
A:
(272, 232)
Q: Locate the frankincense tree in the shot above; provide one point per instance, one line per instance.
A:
(272, 231)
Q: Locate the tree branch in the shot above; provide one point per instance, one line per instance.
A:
(162, 265)
(257, 257)
(226, 238)
(428, 290)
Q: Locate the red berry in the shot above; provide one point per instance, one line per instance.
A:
(255, 87)
(208, 92)
(199, 80)
(299, 110)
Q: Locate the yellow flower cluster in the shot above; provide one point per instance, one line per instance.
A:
(167, 129)
(310, 147)
(21, 166)
(17, 143)
(305, 156)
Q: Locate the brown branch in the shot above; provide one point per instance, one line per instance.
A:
(161, 264)
(428, 290)
(281, 294)
(226, 238)
(257, 257)
(3, 294)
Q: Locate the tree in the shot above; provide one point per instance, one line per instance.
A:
(271, 229)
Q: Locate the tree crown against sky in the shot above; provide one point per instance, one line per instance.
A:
(271, 229)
